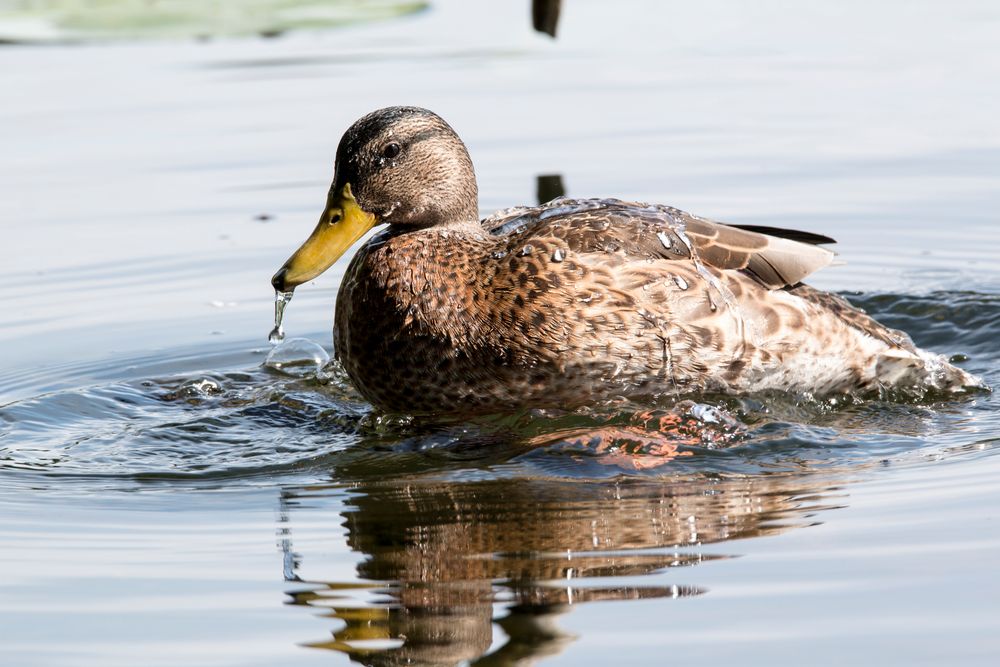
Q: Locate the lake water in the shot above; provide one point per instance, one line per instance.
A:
(166, 499)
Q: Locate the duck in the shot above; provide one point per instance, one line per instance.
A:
(574, 302)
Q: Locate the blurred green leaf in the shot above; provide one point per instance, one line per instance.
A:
(96, 20)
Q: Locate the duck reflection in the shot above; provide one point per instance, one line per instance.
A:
(449, 555)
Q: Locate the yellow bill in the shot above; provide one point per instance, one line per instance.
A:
(341, 224)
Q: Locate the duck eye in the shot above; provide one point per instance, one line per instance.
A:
(391, 150)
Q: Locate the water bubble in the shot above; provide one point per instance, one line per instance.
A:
(526, 250)
(299, 357)
(499, 254)
(680, 282)
(199, 388)
(557, 255)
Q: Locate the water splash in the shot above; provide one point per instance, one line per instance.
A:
(281, 300)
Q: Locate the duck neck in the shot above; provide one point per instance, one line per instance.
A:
(434, 276)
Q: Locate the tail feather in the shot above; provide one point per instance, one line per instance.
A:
(901, 368)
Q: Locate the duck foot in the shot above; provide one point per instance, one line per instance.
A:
(691, 423)
(650, 438)
(628, 447)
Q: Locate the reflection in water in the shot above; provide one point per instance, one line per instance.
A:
(441, 555)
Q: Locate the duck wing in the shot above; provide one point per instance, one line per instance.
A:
(776, 258)
(791, 234)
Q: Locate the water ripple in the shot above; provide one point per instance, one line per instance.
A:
(256, 423)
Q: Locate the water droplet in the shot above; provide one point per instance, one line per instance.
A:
(281, 300)
(667, 242)
(199, 388)
(298, 356)
(680, 282)
(706, 413)
(557, 255)
(499, 254)
(526, 250)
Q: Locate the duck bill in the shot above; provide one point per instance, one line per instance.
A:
(342, 223)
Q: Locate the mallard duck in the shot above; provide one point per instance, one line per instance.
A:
(572, 302)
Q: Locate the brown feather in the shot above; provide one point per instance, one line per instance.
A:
(790, 234)
(669, 233)
(775, 261)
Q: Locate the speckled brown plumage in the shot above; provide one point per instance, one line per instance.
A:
(581, 301)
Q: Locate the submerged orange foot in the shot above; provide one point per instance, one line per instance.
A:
(693, 424)
(650, 438)
(625, 446)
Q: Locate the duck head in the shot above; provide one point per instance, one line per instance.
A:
(401, 166)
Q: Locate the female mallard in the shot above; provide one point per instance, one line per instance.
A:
(572, 302)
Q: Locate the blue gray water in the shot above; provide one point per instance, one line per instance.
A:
(167, 499)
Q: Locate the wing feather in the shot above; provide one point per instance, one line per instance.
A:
(776, 261)
(775, 257)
